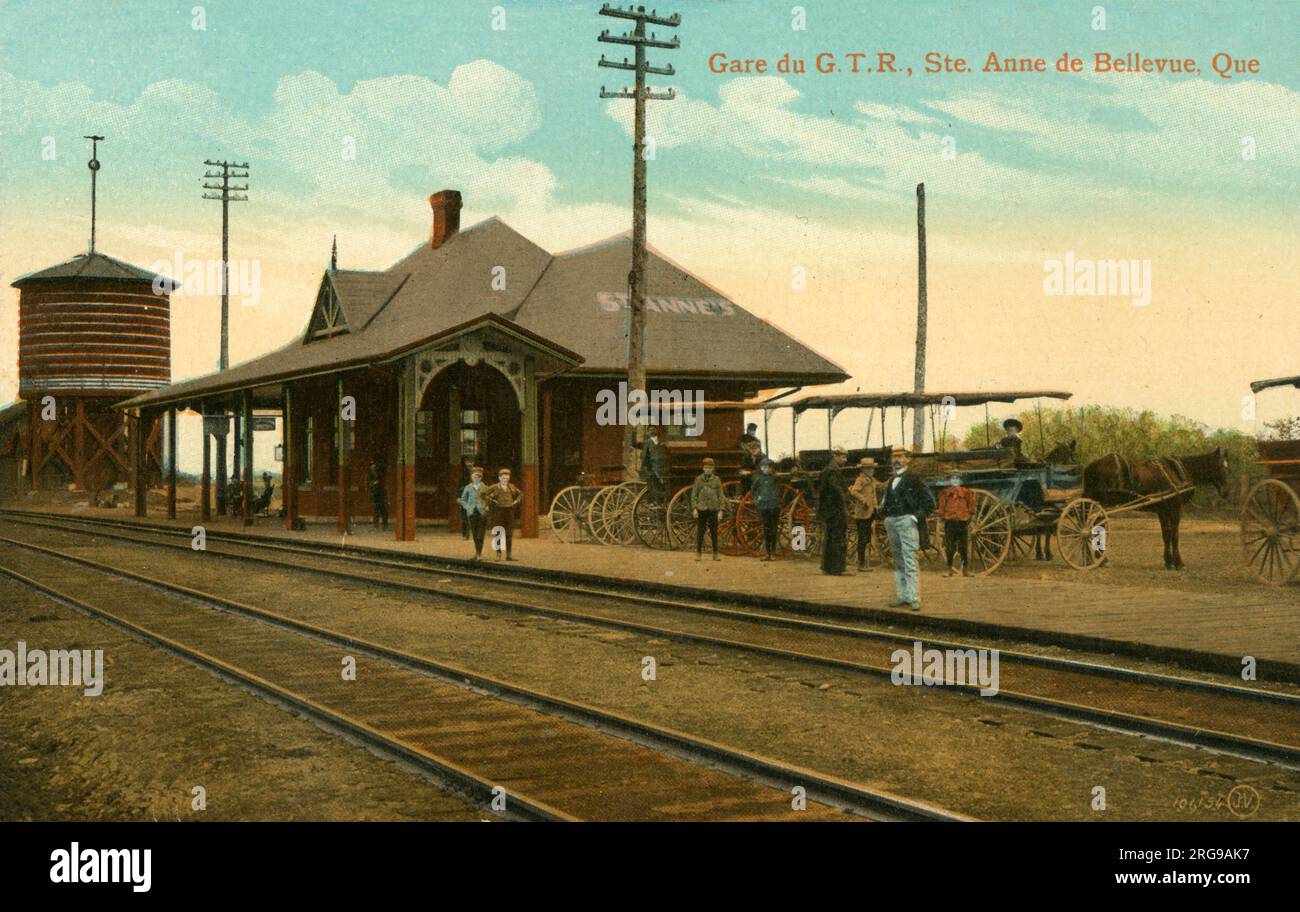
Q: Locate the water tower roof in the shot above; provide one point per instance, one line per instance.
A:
(94, 266)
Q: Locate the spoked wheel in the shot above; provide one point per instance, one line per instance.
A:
(799, 525)
(728, 543)
(1270, 532)
(746, 535)
(617, 510)
(568, 514)
(1024, 532)
(649, 519)
(680, 521)
(990, 534)
(1083, 534)
(596, 516)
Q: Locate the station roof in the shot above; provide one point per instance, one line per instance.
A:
(94, 265)
(1259, 385)
(841, 401)
(572, 304)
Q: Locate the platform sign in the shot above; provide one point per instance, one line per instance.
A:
(263, 422)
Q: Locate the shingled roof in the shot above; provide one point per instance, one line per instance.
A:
(570, 303)
(93, 266)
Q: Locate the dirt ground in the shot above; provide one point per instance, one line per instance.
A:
(981, 758)
(162, 727)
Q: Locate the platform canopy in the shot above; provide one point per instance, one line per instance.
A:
(839, 401)
(1276, 381)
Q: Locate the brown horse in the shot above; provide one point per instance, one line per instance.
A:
(1114, 481)
(1061, 454)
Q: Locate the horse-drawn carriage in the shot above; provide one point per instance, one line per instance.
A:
(1270, 516)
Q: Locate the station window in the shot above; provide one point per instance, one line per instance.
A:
(472, 434)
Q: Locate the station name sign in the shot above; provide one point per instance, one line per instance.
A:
(615, 301)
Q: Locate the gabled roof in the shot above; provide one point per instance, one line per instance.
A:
(691, 327)
(94, 266)
(570, 304)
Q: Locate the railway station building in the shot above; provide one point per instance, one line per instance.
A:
(481, 344)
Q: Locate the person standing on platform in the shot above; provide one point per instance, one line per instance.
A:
(767, 501)
(654, 465)
(706, 502)
(466, 473)
(833, 511)
(956, 507)
(905, 504)
(502, 501)
(863, 501)
(473, 509)
(378, 496)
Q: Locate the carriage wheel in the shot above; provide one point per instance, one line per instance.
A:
(797, 513)
(1024, 531)
(746, 533)
(596, 516)
(649, 515)
(1082, 533)
(728, 541)
(617, 510)
(568, 514)
(990, 534)
(880, 542)
(680, 521)
(1270, 531)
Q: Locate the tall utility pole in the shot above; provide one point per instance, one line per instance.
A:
(918, 415)
(637, 38)
(227, 193)
(93, 165)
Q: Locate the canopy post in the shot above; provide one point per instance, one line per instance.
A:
(988, 441)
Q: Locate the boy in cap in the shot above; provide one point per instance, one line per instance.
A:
(956, 507)
(502, 499)
(472, 508)
(863, 502)
(706, 501)
(767, 501)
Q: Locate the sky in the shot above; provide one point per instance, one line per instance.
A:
(793, 193)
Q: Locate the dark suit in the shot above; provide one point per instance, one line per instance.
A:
(833, 511)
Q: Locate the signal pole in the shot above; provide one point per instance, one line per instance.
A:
(637, 38)
(227, 193)
(93, 165)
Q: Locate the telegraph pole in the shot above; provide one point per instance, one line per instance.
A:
(637, 38)
(918, 416)
(227, 193)
(93, 165)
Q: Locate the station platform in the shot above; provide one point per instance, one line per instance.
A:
(1208, 617)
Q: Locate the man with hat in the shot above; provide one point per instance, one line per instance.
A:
(473, 509)
(863, 502)
(833, 511)
(501, 500)
(654, 464)
(1011, 438)
(905, 504)
(706, 502)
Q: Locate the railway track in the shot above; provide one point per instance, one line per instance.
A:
(1251, 722)
(545, 757)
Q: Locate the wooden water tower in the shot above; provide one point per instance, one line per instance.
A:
(92, 331)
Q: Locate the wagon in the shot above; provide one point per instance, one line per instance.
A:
(1270, 516)
(1015, 502)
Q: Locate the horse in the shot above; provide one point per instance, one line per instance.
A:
(1114, 481)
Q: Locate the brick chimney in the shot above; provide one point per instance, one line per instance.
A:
(446, 216)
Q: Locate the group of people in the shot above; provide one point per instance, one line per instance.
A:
(495, 507)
